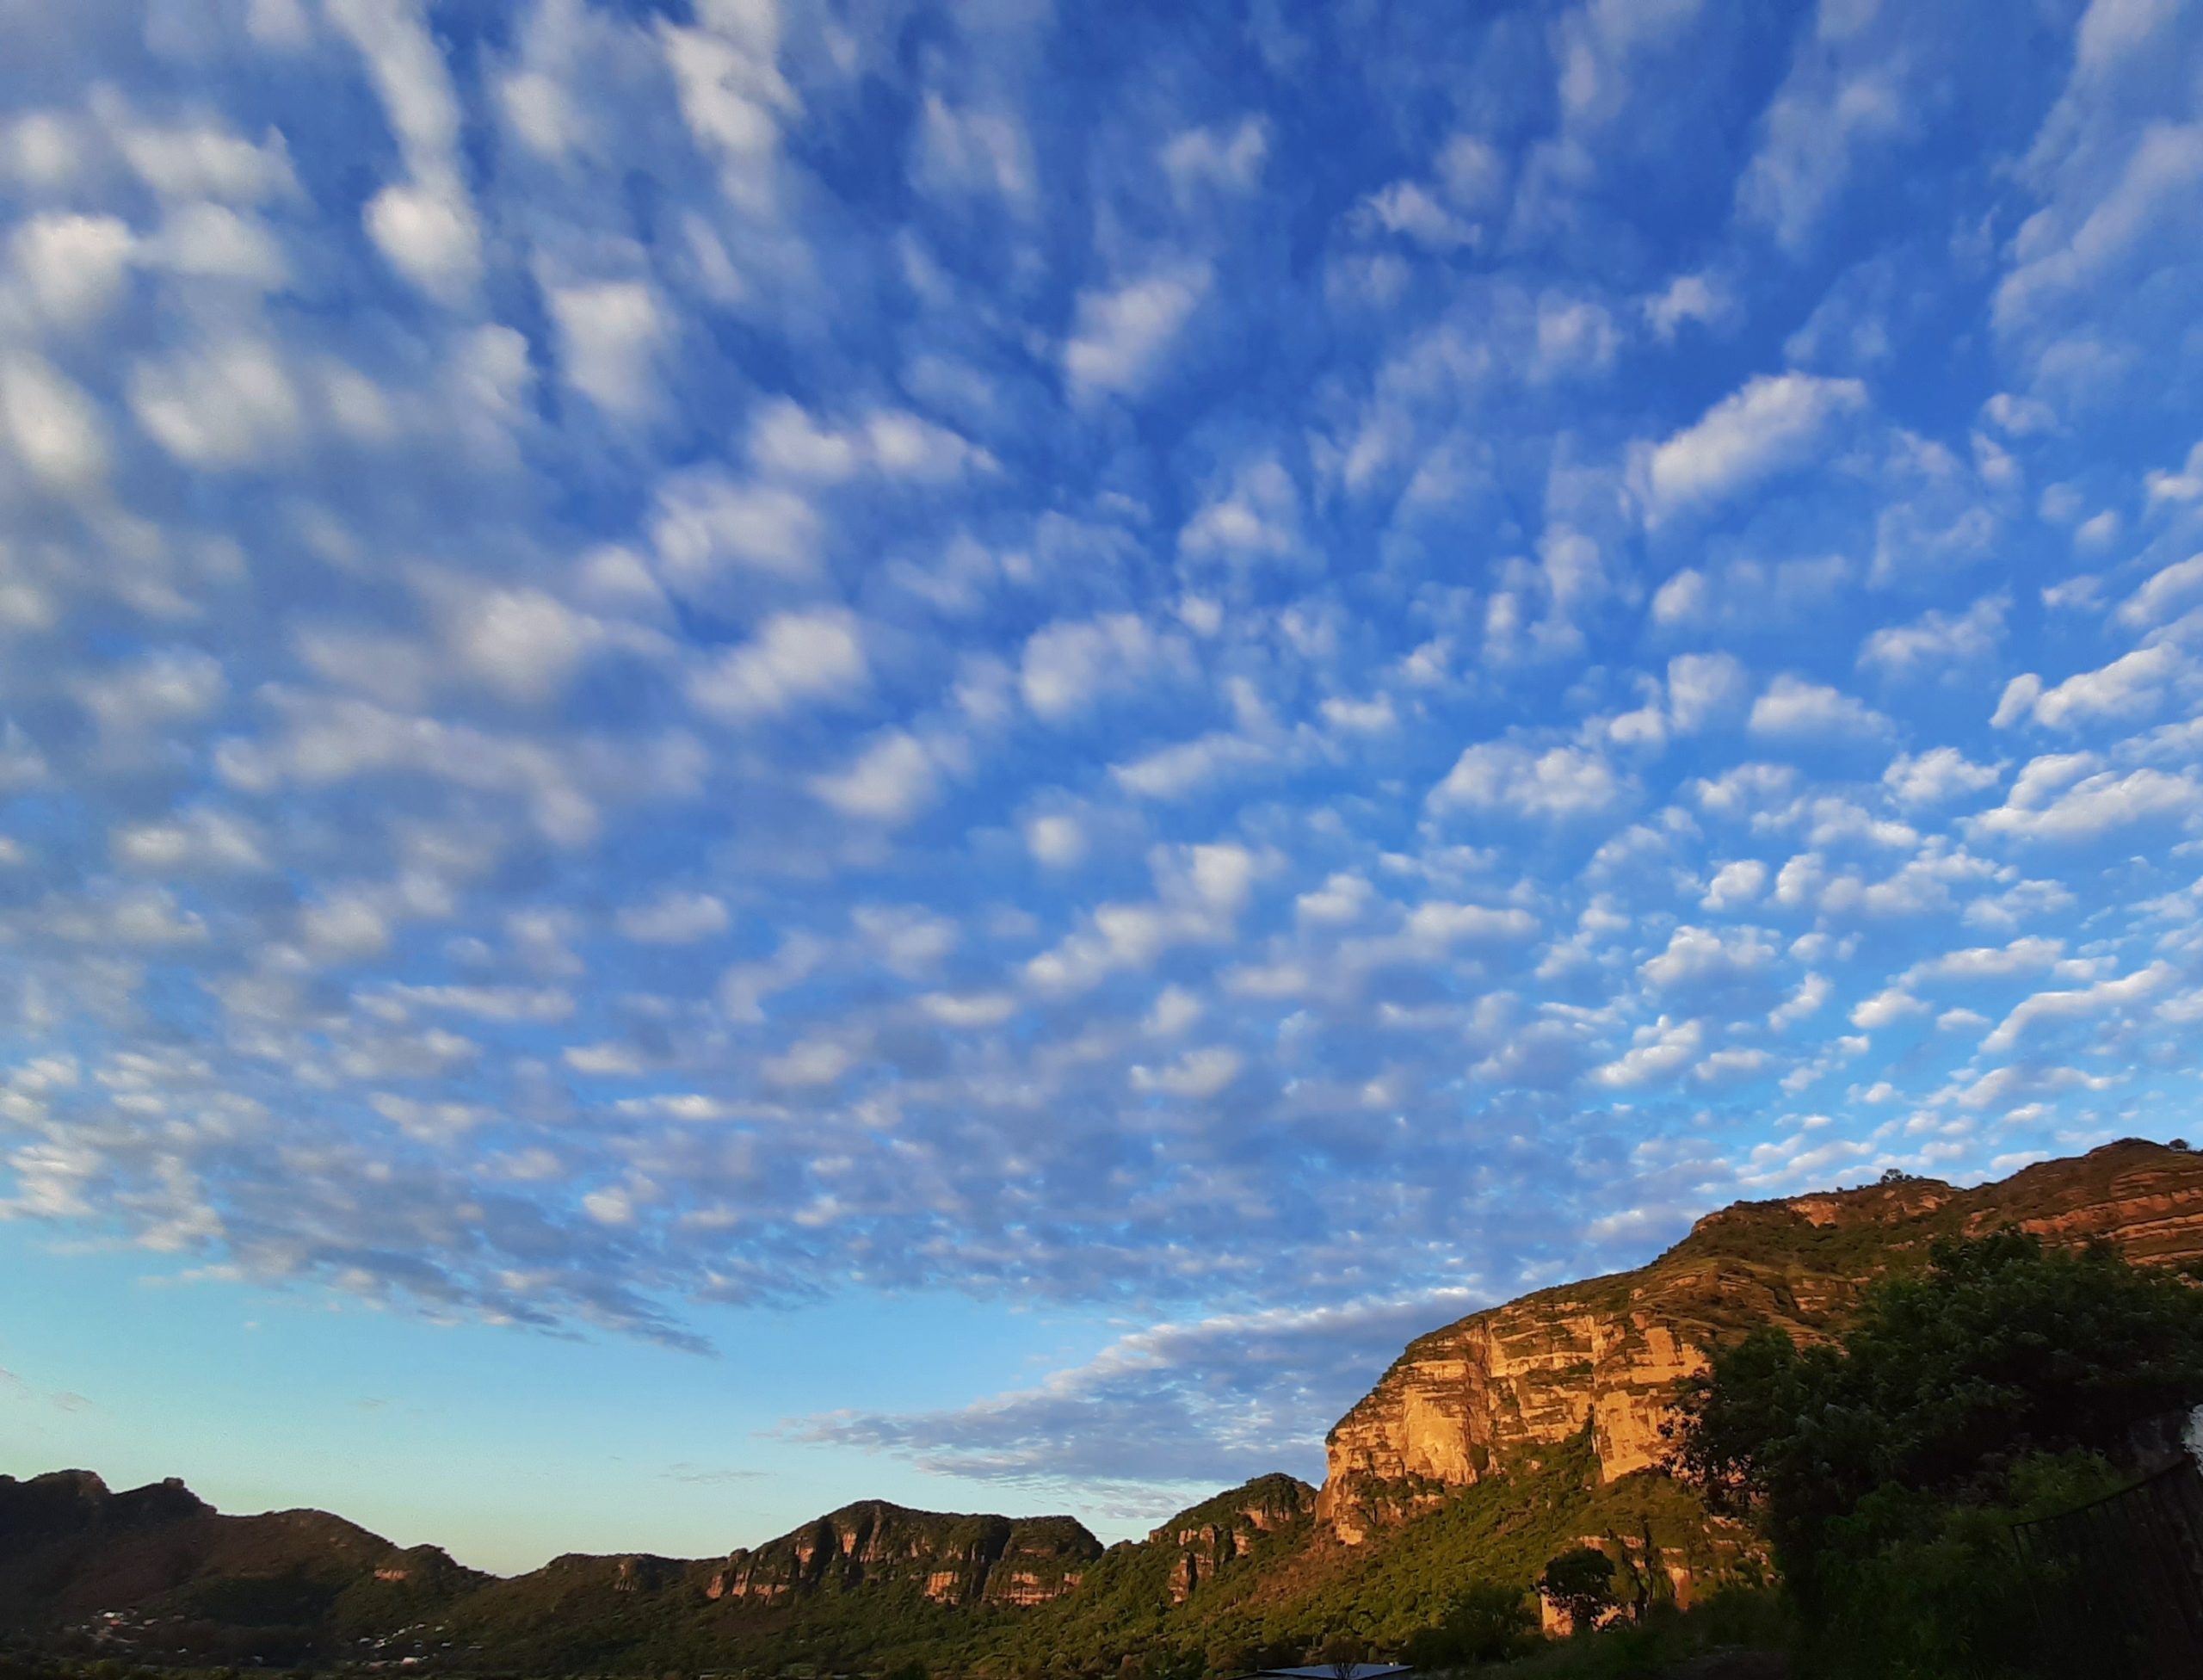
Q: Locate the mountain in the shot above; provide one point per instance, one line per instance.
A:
(1499, 1387)
(73, 1552)
(1488, 1446)
(951, 1560)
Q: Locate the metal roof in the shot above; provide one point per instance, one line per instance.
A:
(1330, 1672)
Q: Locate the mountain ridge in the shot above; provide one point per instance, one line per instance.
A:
(1533, 1423)
(1508, 1380)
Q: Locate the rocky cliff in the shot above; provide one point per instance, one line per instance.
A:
(1504, 1385)
(1206, 1538)
(953, 1559)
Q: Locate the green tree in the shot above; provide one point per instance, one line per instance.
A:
(1581, 1581)
(2002, 1350)
(1886, 1469)
(1484, 1623)
(1344, 1654)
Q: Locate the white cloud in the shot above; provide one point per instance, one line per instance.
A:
(2185, 485)
(1066, 666)
(430, 237)
(1993, 962)
(1121, 337)
(1217, 158)
(51, 425)
(1696, 956)
(1056, 840)
(1812, 993)
(1373, 716)
(1198, 1075)
(969, 1009)
(2061, 257)
(674, 918)
(1259, 517)
(2113, 30)
(1936, 641)
(191, 841)
(2175, 586)
(1438, 923)
(1558, 782)
(214, 241)
(2077, 1004)
(1342, 898)
(1703, 688)
(227, 406)
(1885, 1009)
(1188, 767)
(794, 657)
(424, 226)
(2092, 805)
(203, 159)
(170, 686)
(706, 526)
(344, 930)
(2131, 684)
(1793, 709)
(1736, 884)
(74, 267)
(522, 643)
(893, 779)
(965, 151)
(1682, 599)
(1820, 118)
(1939, 775)
(1574, 337)
(809, 1063)
(786, 441)
(734, 98)
(1691, 297)
(1175, 1009)
(1660, 1049)
(1774, 422)
(611, 336)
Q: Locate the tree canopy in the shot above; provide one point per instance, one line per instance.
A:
(2003, 1381)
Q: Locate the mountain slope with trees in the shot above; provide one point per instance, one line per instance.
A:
(1769, 1301)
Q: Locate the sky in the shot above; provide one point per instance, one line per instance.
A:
(757, 753)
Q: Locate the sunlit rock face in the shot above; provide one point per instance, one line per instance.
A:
(1212, 1535)
(953, 1559)
(1500, 1386)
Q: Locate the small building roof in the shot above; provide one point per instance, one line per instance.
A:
(1330, 1671)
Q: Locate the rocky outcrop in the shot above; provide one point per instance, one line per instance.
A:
(1207, 1537)
(1503, 1385)
(953, 1559)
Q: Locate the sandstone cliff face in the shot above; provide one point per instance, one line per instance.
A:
(952, 1559)
(1501, 1385)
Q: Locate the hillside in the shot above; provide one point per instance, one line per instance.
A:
(1489, 1444)
(1499, 1387)
(276, 1585)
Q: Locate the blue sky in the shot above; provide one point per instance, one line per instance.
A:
(754, 753)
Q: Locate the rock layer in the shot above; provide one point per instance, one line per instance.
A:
(1501, 1385)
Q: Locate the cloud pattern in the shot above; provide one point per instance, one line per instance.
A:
(1240, 673)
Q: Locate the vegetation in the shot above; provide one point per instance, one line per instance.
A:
(1887, 1468)
(1486, 1622)
(1580, 1582)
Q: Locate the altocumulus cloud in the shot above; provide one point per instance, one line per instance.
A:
(657, 660)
